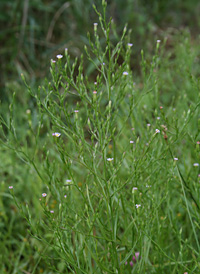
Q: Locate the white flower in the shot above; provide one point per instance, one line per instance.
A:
(175, 159)
(56, 134)
(134, 189)
(196, 164)
(110, 159)
(131, 142)
(10, 187)
(137, 205)
(130, 45)
(158, 41)
(59, 56)
(157, 131)
(125, 73)
(44, 194)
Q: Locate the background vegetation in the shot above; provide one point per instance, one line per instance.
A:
(104, 228)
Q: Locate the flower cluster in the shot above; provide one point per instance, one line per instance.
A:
(134, 259)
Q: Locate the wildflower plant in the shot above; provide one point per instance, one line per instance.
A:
(107, 166)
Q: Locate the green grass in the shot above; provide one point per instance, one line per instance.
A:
(121, 133)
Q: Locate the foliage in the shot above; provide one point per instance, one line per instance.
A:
(105, 172)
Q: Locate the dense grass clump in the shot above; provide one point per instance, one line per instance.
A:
(102, 176)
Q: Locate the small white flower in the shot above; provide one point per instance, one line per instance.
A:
(65, 196)
(76, 111)
(131, 142)
(158, 118)
(110, 159)
(134, 189)
(51, 211)
(44, 194)
(125, 73)
(148, 125)
(147, 186)
(95, 24)
(175, 159)
(158, 41)
(53, 61)
(94, 92)
(68, 181)
(56, 134)
(157, 131)
(130, 45)
(196, 164)
(10, 187)
(137, 205)
(59, 56)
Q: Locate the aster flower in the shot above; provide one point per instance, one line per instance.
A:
(134, 189)
(44, 194)
(59, 56)
(130, 45)
(110, 159)
(56, 134)
(125, 73)
(137, 205)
